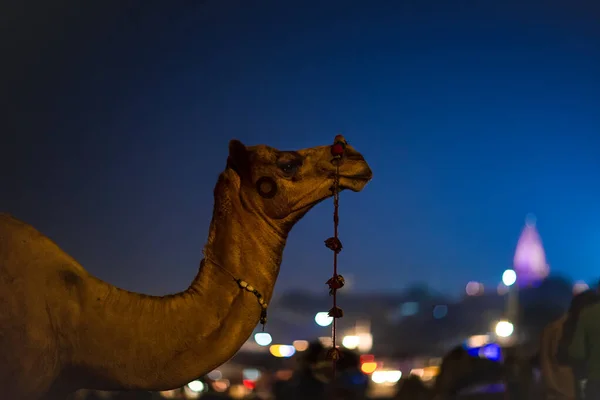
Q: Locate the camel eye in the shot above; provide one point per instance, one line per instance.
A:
(288, 168)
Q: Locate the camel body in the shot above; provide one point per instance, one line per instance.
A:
(64, 330)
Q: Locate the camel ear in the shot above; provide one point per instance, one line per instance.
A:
(239, 158)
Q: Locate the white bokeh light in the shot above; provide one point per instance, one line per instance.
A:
(504, 329)
(323, 319)
(263, 338)
(509, 277)
(350, 342)
(196, 386)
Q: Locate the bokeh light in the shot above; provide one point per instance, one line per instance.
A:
(580, 287)
(215, 375)
(509, 277)
(263, 338)
(504, 329)
(502, 289)
(350, 342)
(440, 311)
(300, 345)
(251, 374)
(474, 289)
(282, 350)
(196, 386)
(391, 376)
(368, 367)
(323, 319)
(477, 341)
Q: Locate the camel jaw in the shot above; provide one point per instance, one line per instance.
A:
(354, 183)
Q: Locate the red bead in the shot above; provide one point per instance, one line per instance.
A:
(337, 150)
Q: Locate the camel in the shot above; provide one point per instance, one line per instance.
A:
(64, 329)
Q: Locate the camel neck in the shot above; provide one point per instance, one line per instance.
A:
(241, 245)
(175, 339)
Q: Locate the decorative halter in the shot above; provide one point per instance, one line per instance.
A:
(247, 287)
(336, 281)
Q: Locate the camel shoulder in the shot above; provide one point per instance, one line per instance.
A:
(10, 225)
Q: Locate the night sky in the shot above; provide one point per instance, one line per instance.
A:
(115, 123)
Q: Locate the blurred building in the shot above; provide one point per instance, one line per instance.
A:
(530, 258)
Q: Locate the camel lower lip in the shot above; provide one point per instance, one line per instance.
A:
(357, 177)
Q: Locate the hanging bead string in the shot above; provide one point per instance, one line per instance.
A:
(336, 281)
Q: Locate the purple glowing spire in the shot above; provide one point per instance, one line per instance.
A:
(530, 258)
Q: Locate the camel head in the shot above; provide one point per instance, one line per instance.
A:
(282, 186)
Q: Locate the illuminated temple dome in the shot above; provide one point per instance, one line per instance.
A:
(530, 258)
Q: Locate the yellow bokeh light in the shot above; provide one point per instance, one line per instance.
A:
(282, 350)
(368, 367)
(274, 350)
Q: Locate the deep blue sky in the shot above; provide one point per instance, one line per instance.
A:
(471, 113)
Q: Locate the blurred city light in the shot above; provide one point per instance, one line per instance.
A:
(350, 342)
(251, 374)
(440, 311)
(368, 367)
(263, 339)
(391, 376)
(427, 373)
(282, 350)
(323, 319)
(215, 375)
(221, 385)
(190, 394)
(367, 358)
(509, 277)
(365, 342)
(250, 384)
(284, 374)
(580, 287)
(238, 391)
(300, 345)
(196, 386)
(474, 289)
(367, 363)
(491, 351)
(504, 329)
(409, 308)
(478, 341)
(502, 289)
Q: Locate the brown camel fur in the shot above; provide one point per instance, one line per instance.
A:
(63, 329)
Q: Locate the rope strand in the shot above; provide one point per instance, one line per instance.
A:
(336, 281)
(336, 219)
